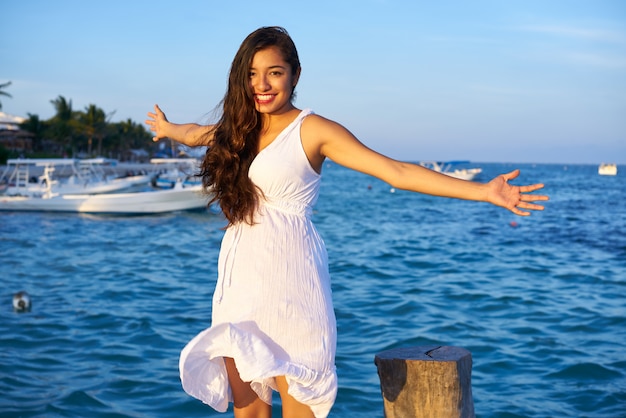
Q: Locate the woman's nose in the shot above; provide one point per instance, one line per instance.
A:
(261, 83)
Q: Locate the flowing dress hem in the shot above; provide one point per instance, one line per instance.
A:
(203, 372)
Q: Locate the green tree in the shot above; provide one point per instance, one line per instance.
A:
(62, 127)
(37, 127)
(4, 93)
(94, 124)
(63, 108)
(71, 132)
(131, 135)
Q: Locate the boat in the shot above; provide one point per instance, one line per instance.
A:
(171, 170)
(86, 176)
(178, 198)
(446, 168)
(607, 169)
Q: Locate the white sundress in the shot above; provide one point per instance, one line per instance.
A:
(272, 306)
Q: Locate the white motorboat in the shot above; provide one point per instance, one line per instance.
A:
(178, 198)
(171, 170)
(66, 175)
(446, 168)
(607, 169)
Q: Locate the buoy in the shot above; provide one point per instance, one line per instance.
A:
(21, 301)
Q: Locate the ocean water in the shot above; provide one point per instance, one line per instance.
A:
(540, 301)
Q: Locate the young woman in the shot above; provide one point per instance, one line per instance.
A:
(273, 325)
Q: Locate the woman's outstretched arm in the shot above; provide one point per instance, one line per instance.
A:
(190, 134)
(333, 141)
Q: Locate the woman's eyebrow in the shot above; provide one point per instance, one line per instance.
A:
(272, 67)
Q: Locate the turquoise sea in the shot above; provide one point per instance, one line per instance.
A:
(540, 302)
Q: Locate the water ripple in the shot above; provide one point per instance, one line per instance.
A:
(539, 304)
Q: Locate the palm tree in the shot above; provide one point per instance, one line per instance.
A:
(4, 93)
(61, 123)
(93, 124)
(35, 126)
(131, 135)
(63, 108)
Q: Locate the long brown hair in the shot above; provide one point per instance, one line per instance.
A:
(224, 169)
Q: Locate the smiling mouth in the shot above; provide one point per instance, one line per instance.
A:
(264, 98)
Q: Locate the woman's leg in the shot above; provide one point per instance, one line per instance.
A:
(247, 402)
(291, 407)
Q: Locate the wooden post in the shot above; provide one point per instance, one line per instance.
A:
(426, 382)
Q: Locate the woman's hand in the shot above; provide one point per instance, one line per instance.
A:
(158, 123)
(190, 134)
(513, 198)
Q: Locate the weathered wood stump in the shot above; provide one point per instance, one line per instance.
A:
(426, 382)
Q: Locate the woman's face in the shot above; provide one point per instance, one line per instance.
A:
(271, 81)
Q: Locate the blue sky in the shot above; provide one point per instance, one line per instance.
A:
(486, 81)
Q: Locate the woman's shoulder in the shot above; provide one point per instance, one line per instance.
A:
(316, 122)
(320, 131)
